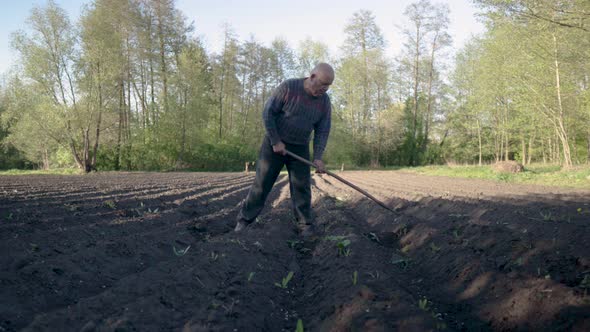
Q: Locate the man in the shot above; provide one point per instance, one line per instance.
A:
(295, 108)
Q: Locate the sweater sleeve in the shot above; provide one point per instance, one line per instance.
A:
(321, 132)
(274, 105)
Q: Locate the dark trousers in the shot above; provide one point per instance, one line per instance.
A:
(268, 167)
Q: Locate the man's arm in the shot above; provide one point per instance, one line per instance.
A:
(320, 137)
(272, 108)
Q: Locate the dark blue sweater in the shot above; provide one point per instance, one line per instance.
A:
(290, 114)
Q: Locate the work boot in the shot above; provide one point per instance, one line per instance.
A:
(241, 225)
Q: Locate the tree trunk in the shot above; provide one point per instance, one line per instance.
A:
(562, 133)
(479, 142)
(523, 145)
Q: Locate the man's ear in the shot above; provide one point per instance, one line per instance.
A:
(312, 76)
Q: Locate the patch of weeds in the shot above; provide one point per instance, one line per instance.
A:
(342, 248)
(251, 276)
(110, 204)
(283, 284)
(299, 326)
(9, 216)
(505, 177)
(180, 252)
(355, 277)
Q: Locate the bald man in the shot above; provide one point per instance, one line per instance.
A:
(295, 109)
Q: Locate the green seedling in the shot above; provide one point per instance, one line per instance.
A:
(110, 204)
(405, 249)
(34, 247)
(373, 237)
(547, 216)
(423, 304)
(434, 248)
(251, 276)
(299, 326)
(355, 277)
(402, 231)
(9, 216)
(458, 215)
(180, 252)
(214, 305)
(283, 284)
(293, 243)
(342, 248)
(402, 261)
(585, 284)
(213, 256)
(71, 207)
(335, 238)
(154, 211)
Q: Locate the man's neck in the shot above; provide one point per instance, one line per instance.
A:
(306, 86)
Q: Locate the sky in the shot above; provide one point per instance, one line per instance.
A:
(267, 19)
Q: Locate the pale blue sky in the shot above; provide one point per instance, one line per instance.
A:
(266, 19)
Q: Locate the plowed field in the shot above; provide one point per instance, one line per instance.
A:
(157, 252)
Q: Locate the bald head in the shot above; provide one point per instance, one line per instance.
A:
(324, 69)
(320, 79)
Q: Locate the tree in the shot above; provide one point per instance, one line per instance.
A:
(49, 57)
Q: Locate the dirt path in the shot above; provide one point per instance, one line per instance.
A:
(109, 252)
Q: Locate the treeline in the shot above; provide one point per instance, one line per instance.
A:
(129, 87)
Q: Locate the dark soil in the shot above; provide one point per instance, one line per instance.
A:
(110, 252)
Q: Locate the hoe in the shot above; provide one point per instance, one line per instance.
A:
(346, 182)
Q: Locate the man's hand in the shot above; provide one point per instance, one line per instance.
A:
(279, 148)
(321, 167)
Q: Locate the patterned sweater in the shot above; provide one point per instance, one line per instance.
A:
(290, 114)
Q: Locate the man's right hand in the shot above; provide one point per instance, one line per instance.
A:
(279, 148)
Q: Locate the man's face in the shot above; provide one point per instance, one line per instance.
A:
(320, 83)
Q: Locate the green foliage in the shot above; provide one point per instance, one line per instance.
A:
(180, 252)
(342, 248)
(285, 281)
(299, 326)
(549, 175)
(114, 92)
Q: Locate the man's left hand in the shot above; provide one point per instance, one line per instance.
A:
(321, 167)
